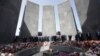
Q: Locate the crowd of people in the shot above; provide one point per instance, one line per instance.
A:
(90, 47)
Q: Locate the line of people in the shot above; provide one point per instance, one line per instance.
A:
(20, 43)
(55, 38)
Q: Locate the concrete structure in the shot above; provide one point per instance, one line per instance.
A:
(9, 11)
(88, 11)
(55, 18)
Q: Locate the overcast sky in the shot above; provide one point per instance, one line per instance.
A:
(47, 2)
